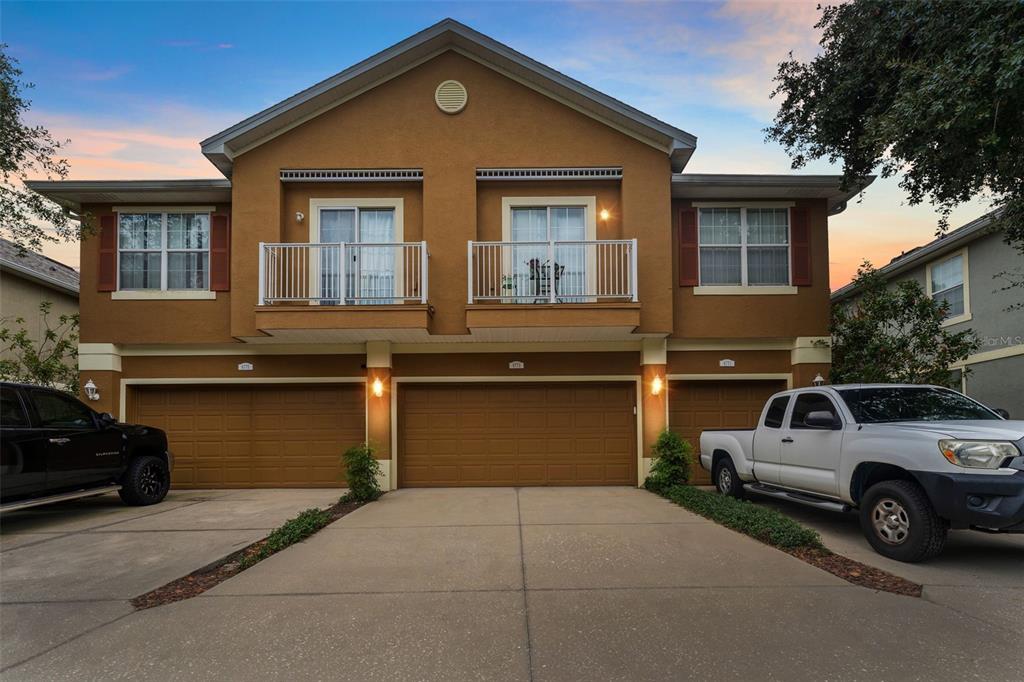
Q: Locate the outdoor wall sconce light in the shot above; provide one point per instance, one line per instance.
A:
(299, 216)
(378, 387)
(91, 392)
(818, 380)
(656, 385)
(605, 215)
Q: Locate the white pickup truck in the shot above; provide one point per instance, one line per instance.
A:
(915, 460)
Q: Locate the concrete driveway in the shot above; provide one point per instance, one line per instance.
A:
(69, 568)
(535, 584)
(977, 573)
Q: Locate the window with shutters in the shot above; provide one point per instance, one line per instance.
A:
(741, 246)
(163, 251)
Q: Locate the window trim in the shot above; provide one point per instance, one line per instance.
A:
(120, 294)
(966, 315)
(589, 204)
(744, 287)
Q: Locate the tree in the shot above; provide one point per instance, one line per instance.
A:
(894, 334)
(932, 90)
(52, 361)
(27, 218)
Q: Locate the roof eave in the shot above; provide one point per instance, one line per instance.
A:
(29, 273)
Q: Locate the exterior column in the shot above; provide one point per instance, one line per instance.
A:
(811, 356)
(653, 366)
(378, 407)
(101, 364)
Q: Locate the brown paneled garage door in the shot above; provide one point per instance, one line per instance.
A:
(255, 436)
(547, 433)
(697, 405)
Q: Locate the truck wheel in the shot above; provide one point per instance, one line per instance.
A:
(900, 523)
(727, 481)
(145, 482)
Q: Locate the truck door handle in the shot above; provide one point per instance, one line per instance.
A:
(59, 441)
(787, 439)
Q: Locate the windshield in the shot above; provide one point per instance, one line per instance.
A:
(878, 405)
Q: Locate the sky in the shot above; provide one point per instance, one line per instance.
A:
(136, 85)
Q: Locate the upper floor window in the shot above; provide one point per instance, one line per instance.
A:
(744, 246)
(946, 280)
(163, 251)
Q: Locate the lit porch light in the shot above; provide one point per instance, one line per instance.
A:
(378, 387)
(656, 385)
(605, 215)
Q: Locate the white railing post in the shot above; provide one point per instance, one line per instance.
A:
(342, 278)
(423, 272)
(551, 271)
(263, 275)
(633, 270)
(469, 272)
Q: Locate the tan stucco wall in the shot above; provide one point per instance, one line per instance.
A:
(397, 125)
(20, 297)
(805, 313)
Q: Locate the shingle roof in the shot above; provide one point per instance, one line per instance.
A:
(38, 267)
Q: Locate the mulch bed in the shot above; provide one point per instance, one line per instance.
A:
(199, 581)
(855, 572)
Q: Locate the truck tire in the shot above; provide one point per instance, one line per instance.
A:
(727, 481)
(146, 481)
(900, 523)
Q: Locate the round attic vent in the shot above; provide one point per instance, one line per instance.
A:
(451, 97)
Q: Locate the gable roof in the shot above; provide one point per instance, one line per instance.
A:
(922, 254)
(39, 268)
(445, 35)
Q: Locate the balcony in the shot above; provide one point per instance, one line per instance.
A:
(557, 285)
(342, 287)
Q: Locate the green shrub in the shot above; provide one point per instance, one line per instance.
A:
(290, 532)
(760, 523)
(361, 472)
(673, 457)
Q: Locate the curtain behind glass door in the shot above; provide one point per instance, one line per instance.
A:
(374, 281)
(337, 226)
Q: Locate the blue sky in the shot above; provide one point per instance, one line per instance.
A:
(136, 85)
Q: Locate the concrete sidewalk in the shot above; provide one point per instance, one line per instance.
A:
(979, 574)
(66, 569)
(536, 584)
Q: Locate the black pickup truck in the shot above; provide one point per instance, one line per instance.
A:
(55, 448)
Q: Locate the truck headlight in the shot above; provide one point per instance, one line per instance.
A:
(977, 454)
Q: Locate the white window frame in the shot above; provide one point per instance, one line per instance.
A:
(965, 272)
(163, 292)
(745, 288)
(356, 204)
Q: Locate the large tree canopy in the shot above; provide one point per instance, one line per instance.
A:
(932, 90)
(26, 151)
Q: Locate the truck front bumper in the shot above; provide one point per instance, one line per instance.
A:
(987, 501)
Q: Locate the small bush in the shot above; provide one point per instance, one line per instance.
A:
(361, 472)
(290, 532)
(760, 523)
(673, 457)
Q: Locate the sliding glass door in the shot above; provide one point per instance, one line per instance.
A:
(369, 258)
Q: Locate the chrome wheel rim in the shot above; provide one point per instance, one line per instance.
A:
(724, 480)
(891, 522)
(150, 480)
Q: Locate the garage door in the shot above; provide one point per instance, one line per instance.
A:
(697, 405)
(255, 436)
(516, 434)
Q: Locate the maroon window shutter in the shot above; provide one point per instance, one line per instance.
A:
(800, 246)
(689, 257)
(220, 252)
(107, 276)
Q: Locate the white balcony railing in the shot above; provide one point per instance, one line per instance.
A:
(343, 274)
(553, 271)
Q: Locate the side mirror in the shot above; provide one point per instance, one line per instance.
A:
(107, 419)
(821, 419)
(1001, 412)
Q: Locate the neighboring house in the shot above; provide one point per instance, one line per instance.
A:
(26, 280)
(493, 273)
(963, 268)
